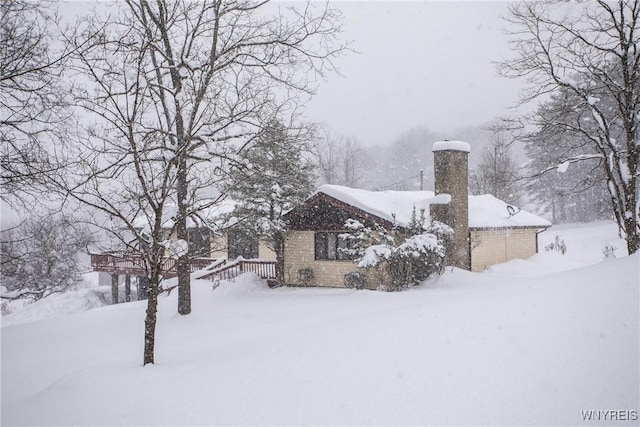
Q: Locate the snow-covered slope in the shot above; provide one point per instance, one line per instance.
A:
(529, 342)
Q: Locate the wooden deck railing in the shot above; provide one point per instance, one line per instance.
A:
(133, 264)
(264, 269)
(114, 261)
(209, 268)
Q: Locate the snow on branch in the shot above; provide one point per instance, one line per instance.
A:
(564, 165)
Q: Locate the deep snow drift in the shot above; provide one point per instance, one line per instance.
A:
(527, 342)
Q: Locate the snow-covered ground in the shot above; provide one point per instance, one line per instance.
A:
(532, 342)
(88, 296)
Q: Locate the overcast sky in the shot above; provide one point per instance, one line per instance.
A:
(422, 63)
(419, 63)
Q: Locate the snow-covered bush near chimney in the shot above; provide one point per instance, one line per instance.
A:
(399, 258)
(355, 280)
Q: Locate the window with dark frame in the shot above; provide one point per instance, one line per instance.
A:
(327, 245)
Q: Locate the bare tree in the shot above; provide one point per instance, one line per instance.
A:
(217, 65)
(125, 170)
(32, 100)
(353, 161)
(40, 257)
(341, 159)
(328, 156)
(496, 173)
(174, 90)
(569, 191)
(127, 176)
(592, 53)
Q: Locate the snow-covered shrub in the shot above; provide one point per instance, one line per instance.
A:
(415, 260)
(401, 257)
(558, 245)
(355, 280)
(609, 251)
(305, 275)
(406, 263)
(357, 239)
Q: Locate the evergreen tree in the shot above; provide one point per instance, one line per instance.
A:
(273, 176)
(563, 179)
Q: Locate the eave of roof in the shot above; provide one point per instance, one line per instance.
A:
(320, 196)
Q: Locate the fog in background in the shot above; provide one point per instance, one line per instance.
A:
(421, 71)
(419, 64)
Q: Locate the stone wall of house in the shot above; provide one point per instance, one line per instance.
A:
(489, 247)
(219, 248)
(299, 253)
(265, 252)
(218, 245)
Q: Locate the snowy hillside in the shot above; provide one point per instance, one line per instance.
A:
(532, 342)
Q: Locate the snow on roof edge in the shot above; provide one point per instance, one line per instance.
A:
(389, 205)
(489, 212)
(451, 145)
(485, 211)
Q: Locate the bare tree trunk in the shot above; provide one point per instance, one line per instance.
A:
(629, 217)
(114, 288)
(279, 250)
(142, 287)
(150, 321)
(127, 288)
(633, 237)
(182, 265)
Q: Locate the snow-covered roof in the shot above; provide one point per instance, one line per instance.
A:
(384, 204)
(451, 145)
(484, 211)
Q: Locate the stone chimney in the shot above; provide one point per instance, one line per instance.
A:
(451, 170)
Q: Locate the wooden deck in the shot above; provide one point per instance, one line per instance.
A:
(132, 264)
(207, 268)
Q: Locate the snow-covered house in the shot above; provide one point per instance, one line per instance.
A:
(211, 236)
(486, 230)
(213, 233)
(229, 241)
